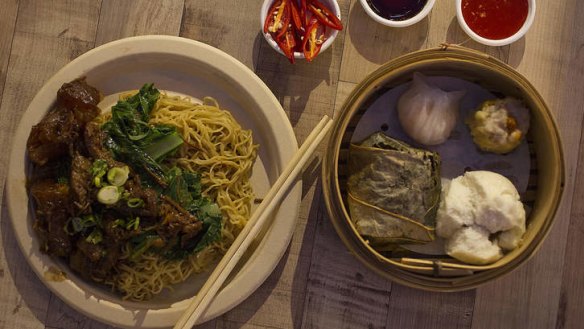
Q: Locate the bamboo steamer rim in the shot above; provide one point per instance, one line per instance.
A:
(405, 273)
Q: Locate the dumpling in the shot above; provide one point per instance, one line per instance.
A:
(499, 125)
(427, 113)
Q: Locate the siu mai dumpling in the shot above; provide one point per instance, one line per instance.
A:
(393, 191)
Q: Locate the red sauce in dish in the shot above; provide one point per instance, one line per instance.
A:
(494, 19)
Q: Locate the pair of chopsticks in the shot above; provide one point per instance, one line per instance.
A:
(253, 226)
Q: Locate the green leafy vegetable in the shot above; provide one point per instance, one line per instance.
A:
(125, 150)
(185, 188)
(142, 243)
(136, 142)
(211, 226)
(163, 145)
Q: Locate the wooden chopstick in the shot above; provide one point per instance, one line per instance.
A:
(253, 226)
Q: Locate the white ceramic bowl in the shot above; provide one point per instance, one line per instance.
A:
(331, 34)
(499, 42)
(187, 67)
(395, 23)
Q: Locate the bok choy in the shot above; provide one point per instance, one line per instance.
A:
(133, 140)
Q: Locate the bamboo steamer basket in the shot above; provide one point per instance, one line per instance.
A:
(546, 179)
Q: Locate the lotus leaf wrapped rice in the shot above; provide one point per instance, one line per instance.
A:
(393, 191)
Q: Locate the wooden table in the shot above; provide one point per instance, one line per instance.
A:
(318, 283)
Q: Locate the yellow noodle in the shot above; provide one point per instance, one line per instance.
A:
(223, 153)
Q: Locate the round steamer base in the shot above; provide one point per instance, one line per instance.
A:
(544, 187)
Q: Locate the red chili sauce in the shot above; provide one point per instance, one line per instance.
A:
(494, 19)
(397, 10)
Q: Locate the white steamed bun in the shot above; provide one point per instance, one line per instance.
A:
(471, 244)
(489, 203)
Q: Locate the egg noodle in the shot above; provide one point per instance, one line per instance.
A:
(216, 147)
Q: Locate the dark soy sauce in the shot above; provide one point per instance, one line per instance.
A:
(397, 10)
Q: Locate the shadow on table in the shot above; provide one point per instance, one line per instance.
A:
(378, 43)
(294, 84)
(299, 297)
(31, 291)
(510, 54)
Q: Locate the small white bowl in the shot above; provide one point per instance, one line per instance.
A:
(331, 34)
(497, 42)
(397, 23)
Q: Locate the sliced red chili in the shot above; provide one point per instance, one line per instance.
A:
(303, 11)
(278, 18)
(313, 39)
(270, 16)
(287, 43)
(324, 15)
(295, 16)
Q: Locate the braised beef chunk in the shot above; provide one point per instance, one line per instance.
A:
(103, 269)
(149, 197)
(94, 142)
(93, 251)
(97, 267)
(177, 222)
(80, 264)
(114, 229)
(190, 231)
(54, 169)
(81, 98)
(59, 131)
(58, 242)
(52, 204)
(52, 198)
(50, 139)
(80, 182)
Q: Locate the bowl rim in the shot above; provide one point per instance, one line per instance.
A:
(298, 55)
(497, 42)
(392, 23)
(337, 210)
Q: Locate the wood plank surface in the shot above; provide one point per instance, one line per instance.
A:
(7, 22)
(535, 287)
(41, 45)
(210, 21)
(123, 18)
(38, 49)
(318, 283)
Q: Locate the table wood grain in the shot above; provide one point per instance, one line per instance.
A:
(318, 283)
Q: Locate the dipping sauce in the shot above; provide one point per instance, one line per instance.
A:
(397, 10)
(494, 19)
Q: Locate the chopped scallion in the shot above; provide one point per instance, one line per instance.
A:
(135, 202)
(133, 224)
(118, 176)
(94, 237)
(108, 195)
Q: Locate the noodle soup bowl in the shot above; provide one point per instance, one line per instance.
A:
(184, 67)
